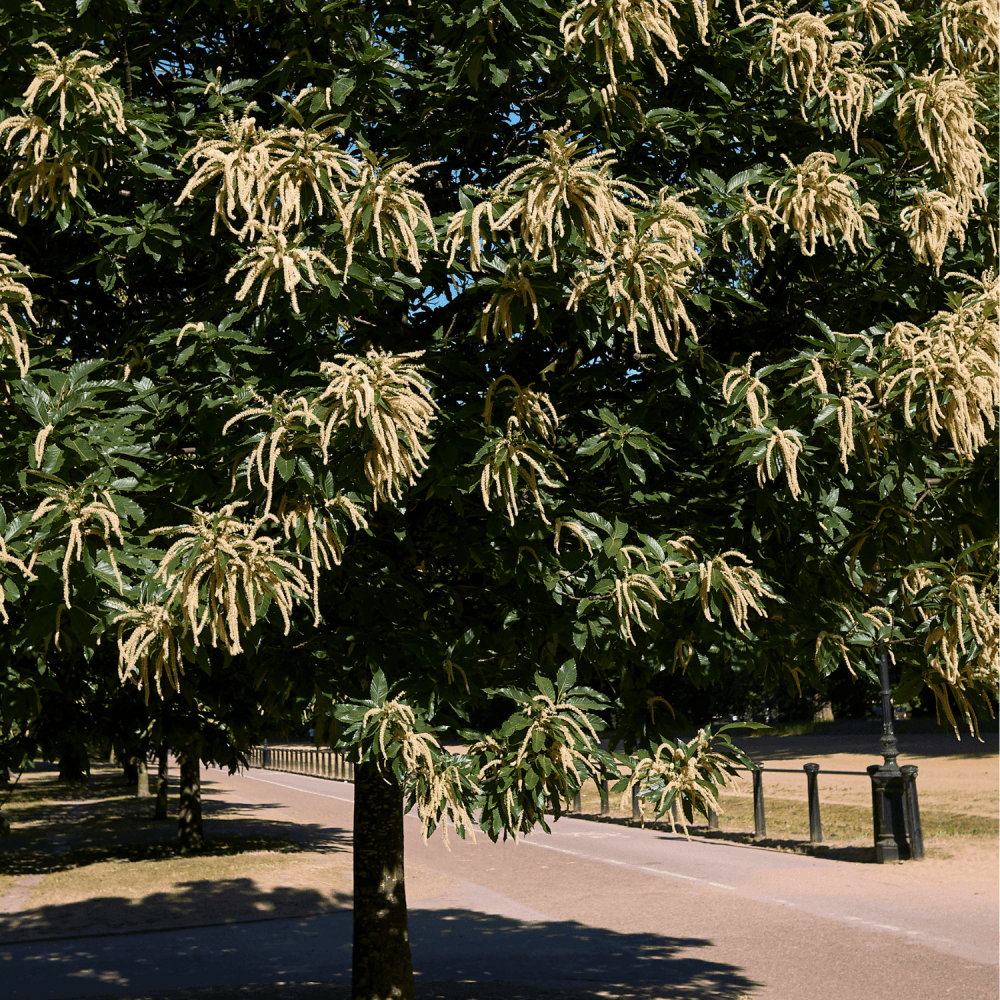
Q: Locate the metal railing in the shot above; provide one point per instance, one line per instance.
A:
(332, 765)
(910, 811)
(301, 760)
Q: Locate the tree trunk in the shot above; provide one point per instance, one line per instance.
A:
(382, 967)
(822, 710)
(190, 837)
(130, 769)
(142, 785)
(74, 763)
(162, 784)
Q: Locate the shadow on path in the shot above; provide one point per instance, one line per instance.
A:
(458, 954)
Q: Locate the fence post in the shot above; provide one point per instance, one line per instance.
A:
(577, 802)
(605, 806)
(759, 824)
(636, 809)
(913, 811)
(812, 786)
(713, 819)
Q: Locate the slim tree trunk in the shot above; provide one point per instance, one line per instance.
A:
(142, 785)
(130, 769)
(382, 967)
(74, 763)
(190, 837)
(162, 784)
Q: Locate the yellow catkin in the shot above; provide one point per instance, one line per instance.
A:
(949, 370)
(615, 26)
(91, 513)
(385, 397)
(741, 587)
(77, 83)
(516, 459)
(40, 179)
(516, 284)
(153, 642)
(691, 778)
(273, 443)
(575, 529)
(756, 220)
(275, 255)
(963, 650)
(540, 196)
(323, 541)
(8, 559)
(937, 112)
(969, 33)
(220, 569)
(929, 223)
(645, 274)
(788, 445)
(876, 19)
(14, 294)
(397, 210)
(263, 174)
(817, 202)
(756, 392)
(565, 735)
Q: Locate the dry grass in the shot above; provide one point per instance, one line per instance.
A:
(92, 857)
(788, 819)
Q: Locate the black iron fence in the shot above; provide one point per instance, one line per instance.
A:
(907, 806)
(329, 764)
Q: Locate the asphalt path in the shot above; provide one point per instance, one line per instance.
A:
(592, 910)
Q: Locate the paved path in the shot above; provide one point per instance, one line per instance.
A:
(591, 910)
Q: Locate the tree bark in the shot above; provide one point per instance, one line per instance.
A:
(74, 763)
(130, 769)
(142, 785)
(162, 784)
(382, 967)
(190, 836)
(822, 710)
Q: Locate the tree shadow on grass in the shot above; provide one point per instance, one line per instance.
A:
(458, 954)
(55, 834)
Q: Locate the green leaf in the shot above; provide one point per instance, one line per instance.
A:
(566, 676)
(379, 690)
(717, 85)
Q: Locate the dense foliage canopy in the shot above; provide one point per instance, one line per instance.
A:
(461, 344)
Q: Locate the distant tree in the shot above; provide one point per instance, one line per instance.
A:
(481, 366)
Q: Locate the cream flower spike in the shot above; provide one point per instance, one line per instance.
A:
(81, 85)
(817, 202)
(929, 223)
(614, 25)
(541, 195)
(939, 110)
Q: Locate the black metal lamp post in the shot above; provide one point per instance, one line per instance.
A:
(895, 814)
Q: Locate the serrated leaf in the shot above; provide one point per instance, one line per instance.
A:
(379, 690)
